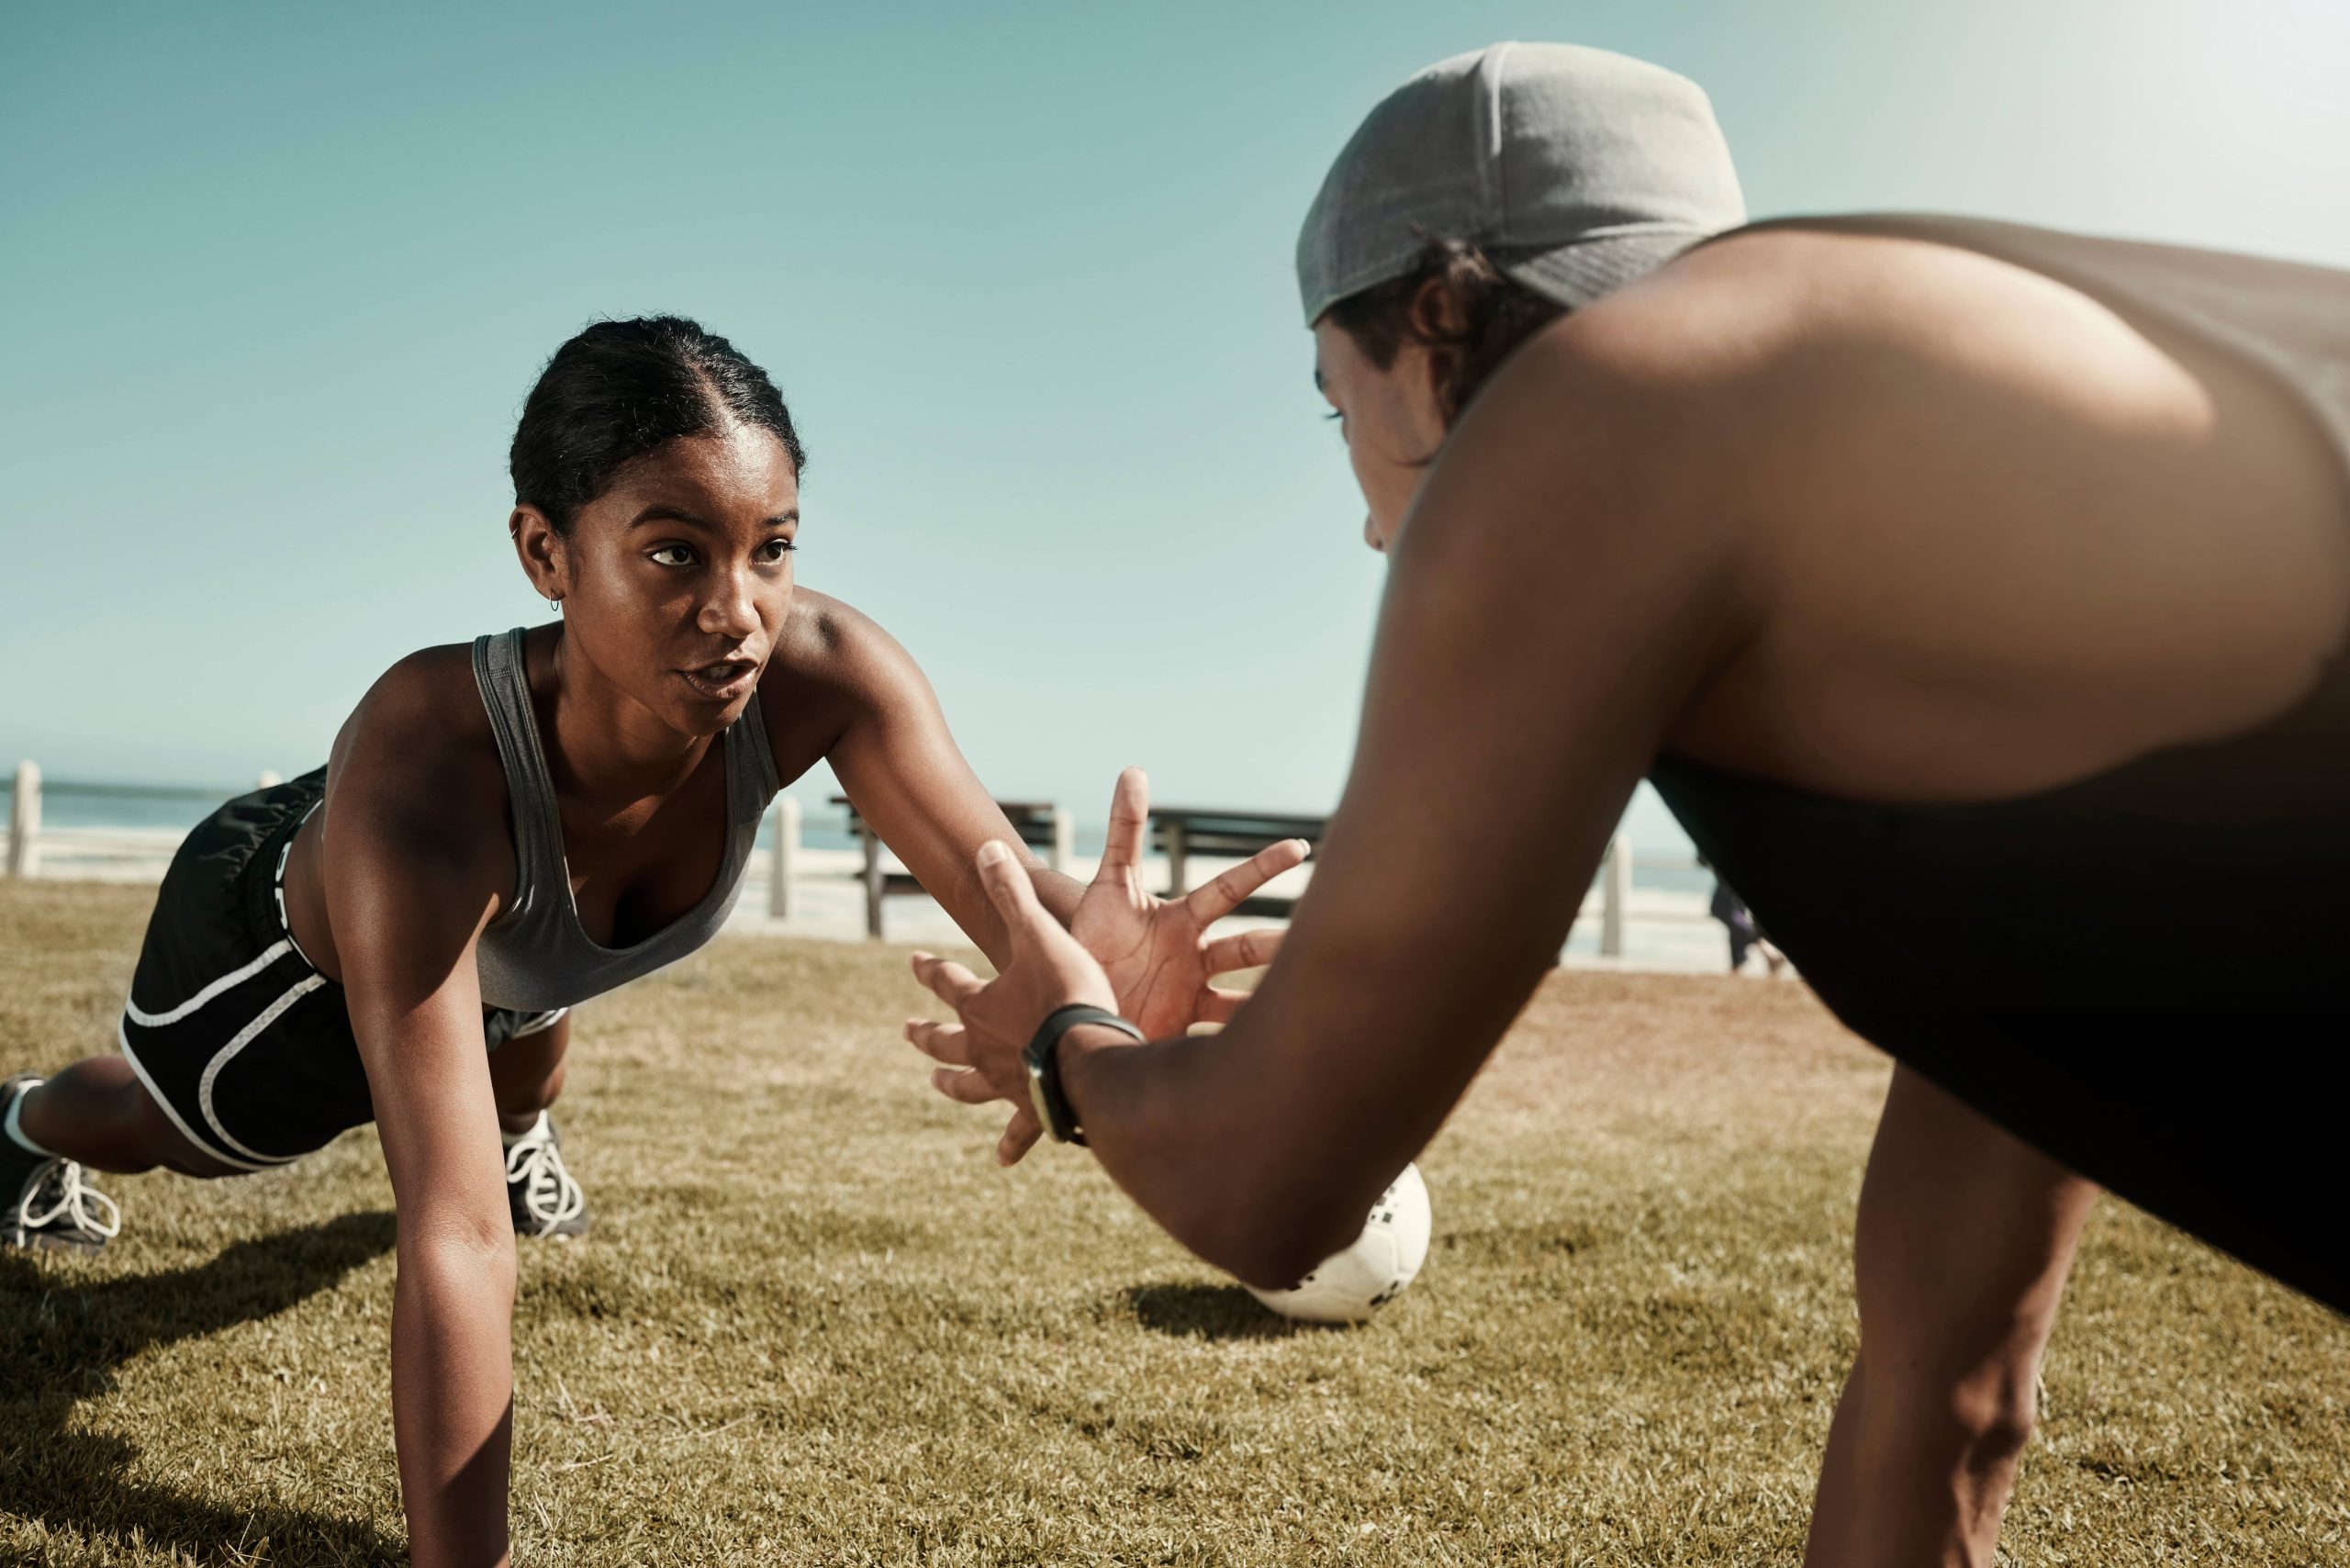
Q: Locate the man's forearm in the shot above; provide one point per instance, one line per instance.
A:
(1181, 1126)
(453, 1407)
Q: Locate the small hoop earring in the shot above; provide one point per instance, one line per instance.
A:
(555, 607)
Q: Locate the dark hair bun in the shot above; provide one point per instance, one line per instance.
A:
(621, 389)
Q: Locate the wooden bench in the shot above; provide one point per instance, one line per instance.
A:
(1178, 833)
(1040, 824)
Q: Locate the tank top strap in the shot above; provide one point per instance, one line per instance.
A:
(501, 672)
(750, 762)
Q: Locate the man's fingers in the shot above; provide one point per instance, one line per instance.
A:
(1217, 1006)
(948, 980)
(961, 1083)
(1019, 1138)
(1129, 816)
(1247, 950)
(1222, 896)
(1011, 888)
(940, 1042)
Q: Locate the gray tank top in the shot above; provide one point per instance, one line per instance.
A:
(2289, 319)
(534, 957)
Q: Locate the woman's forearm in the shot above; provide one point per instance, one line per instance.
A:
(452, 1405)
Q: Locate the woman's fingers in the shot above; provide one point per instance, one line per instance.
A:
(1019, 1138)
(940, 1042)
(948, 980)
(961, 1083)
(1247, 950)
(1222, 896)
(1129, 815)
(1217, 1006)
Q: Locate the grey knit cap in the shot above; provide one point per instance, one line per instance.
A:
(1575, 169)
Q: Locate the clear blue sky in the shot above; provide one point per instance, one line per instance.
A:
(275, 280)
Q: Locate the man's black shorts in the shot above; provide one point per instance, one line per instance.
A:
(247, 1048)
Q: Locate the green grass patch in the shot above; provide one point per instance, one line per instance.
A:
(815, 1324)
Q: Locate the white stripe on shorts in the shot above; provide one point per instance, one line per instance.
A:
(147, 1020)
(244, 1037)
(155, 1092)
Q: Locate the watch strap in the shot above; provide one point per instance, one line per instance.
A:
(1042, 1060)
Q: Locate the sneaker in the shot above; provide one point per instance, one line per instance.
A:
(49, 1205)
(546, 1201)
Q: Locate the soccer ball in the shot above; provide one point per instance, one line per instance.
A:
(1349, 1286)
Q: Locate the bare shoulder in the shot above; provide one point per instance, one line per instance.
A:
(1681, 378)
(1651, 410)
(419, 761)
(835, 659)
(1846, 321)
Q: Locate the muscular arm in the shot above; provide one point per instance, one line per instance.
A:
(408, 896)
(903, 771)
(1559, 591)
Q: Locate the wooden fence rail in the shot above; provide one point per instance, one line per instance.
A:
(84, 849)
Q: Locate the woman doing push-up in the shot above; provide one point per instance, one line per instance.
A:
(506, 829)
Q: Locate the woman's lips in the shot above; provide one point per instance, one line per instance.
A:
(722, 681)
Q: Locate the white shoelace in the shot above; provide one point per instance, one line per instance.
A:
(73, 1200)
(550, 1195)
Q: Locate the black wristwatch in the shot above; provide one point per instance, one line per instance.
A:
(1042, 1060)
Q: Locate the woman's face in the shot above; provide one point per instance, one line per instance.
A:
(676, 581)
(1390, 418)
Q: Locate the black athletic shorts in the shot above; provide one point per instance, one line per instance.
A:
(247, 1048)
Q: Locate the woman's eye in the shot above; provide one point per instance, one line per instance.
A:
(672, 555)
(776, 549)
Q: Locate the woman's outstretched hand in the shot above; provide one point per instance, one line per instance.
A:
(1156, 951)
(1046, 968)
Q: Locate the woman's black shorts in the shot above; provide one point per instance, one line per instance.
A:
(247, 1048)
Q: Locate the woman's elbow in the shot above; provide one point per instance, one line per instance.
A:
(459, 1252)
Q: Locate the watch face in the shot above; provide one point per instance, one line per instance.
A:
(1037, 1101)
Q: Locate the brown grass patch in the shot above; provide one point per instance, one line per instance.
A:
(815, 1324)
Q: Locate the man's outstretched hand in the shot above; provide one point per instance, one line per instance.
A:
(1146, 959)
(1045, 970)
(1156, 951)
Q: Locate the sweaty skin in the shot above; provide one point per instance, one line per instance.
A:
(1862, 516)
(680, 610)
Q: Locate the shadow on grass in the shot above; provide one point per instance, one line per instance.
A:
(1210, 1312)
(60, 1341)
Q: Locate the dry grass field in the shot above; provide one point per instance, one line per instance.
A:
(815, 1324)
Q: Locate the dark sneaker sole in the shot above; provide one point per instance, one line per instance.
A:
(49, 1241)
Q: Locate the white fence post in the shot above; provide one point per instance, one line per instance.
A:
(24, 823)
(1064, 840)
(1179, 857)
(787, 857)
(1615, 894)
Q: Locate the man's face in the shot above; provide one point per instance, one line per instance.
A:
(1390, 420)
